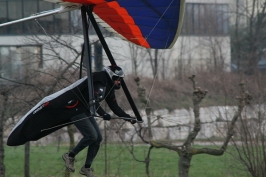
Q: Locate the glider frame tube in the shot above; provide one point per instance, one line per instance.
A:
(87, 59)
(112, 61)
(62, 9)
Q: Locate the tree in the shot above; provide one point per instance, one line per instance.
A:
(186, 151)
(249, 140)
(68, 68)
(36, 83)
(10, 108)
(250, 147)
(137, 56)
(145, 101)
(248, 40)
(153, 62)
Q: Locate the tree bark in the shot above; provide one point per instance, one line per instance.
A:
(27, 160)
(71, 145)
(184, 163)
(2, 154)
(142, 95)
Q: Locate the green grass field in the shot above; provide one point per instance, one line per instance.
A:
(46, 161)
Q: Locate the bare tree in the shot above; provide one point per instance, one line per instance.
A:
(249, 140)
(68, 69)
(154, 61)
(186, 151)
(36, 83)
(137, 57)
(248, 38)
(10, 108)
(145, 101)
(250, 146)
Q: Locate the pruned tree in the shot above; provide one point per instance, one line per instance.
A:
(186, 150)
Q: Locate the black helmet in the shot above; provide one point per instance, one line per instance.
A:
(114, 72)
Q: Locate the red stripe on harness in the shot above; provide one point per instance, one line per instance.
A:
(73, 105)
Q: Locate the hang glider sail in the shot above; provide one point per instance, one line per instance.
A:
(148, 23)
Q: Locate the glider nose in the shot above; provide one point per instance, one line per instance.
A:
(14, 142)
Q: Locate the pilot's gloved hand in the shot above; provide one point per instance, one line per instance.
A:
(106, 117)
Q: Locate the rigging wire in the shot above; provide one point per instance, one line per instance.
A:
(160, 58)
(36, 20)
(156, 71)
(158, 21)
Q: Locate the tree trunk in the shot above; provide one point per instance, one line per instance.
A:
(2, 165)
(148, 113)
(27, 160)
(2, 155)
(71, 144)
(155, 63)
(184, 163)
(105, 150)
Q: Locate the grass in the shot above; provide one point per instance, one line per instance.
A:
(46, 161)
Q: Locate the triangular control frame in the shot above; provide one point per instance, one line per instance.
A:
(88, 10)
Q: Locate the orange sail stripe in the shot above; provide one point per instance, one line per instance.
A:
(130, 32)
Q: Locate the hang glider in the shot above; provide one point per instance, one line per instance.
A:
(148, 23)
